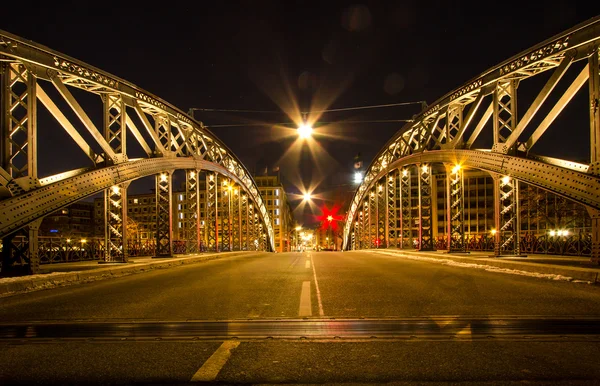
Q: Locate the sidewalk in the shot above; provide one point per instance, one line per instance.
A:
(63, 274)
(573, 267)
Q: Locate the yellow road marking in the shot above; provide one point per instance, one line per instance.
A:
(210, 369)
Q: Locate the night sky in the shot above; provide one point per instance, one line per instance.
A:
(273, 55)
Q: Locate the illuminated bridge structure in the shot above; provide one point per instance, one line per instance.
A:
(34, 75)
(476, 127)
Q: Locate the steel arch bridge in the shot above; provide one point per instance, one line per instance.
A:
(236, 216)
(476, 127)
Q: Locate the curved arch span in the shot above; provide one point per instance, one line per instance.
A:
(577, 186)
(16, 212)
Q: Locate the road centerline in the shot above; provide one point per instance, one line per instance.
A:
(321, 312)
(305, 305)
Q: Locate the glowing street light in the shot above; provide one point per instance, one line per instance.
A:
(305, 131)
(306, 196)
(357, 177)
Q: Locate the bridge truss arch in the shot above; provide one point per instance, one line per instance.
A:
(33, 75)
(477, 126)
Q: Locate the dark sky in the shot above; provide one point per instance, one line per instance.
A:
(268, 55)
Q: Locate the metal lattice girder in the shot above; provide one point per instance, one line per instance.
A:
(115, 223)
(360, 227)
(366, 240)
(392, 210)
(355, 235)
(406, 221)
(506, 205)
(164, 214)
(381, 218)
(191, 212)
(236, 220)
(225, 210)
(257, 232)
(455, 195)
(505, 113)
(114, 122)
(557, 53)
(244, 229)
(263, 238)
(19, 146)
(251, 228)
(373, 219)
(212, 221)
(425, 208)
(173, 133)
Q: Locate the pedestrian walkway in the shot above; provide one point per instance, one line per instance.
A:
(576, 268)
(62, 274)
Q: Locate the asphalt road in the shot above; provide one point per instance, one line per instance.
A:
(324, 317)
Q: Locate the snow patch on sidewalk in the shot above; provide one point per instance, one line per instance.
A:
(489, 268)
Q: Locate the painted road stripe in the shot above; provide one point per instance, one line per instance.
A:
(210, 369)
(321, 312)
(305, 306)
(307, 265)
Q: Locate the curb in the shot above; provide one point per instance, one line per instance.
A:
(575, 273)
(61, 279)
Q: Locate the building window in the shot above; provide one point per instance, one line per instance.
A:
(277, 202)
(181, 197)
(277, 221)
(277, 192)
(276, 212)
(135, 200)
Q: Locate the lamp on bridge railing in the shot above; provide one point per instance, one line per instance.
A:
(558, 232)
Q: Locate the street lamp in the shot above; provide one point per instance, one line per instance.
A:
(305, 131)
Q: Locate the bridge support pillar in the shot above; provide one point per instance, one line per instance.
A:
(425, 208)
(244, 220)
(115, 224)
(392, 210)
(164, 215)
(192, 212)
(382, 204)
(236, 222)
(506, 216)
(455, 204)
(406, 221)
(225, 209)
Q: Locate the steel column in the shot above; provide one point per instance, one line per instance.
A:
(212, 220)
(18, 126)
(192, 212)
(373, 237)
(505, 113)
(406, 223)
(425, 226)
(245, 245)
(236, 224)
(251, 236)
(115, 224)
(164, 214)
(506, 208)
(392, 210)
(381, 207)
(225, 209)
(455, 199)
(115, 197)
(366, 227)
